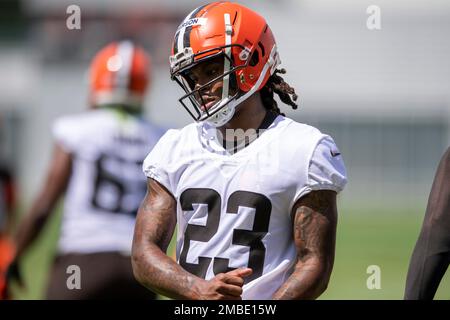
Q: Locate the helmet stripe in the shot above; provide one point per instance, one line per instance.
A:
(187, 37)
(125, 52)
(226, 66)
(196, 11)
(180, 38)
(183, 38)
(175, 43)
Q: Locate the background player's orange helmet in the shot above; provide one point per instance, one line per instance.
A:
(247, 45)
(119, 75)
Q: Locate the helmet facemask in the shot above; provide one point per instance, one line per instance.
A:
(221, 86)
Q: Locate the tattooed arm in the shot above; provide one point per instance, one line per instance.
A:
(315, 220)
(155, 225)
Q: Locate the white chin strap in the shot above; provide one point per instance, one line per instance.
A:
(222, 116)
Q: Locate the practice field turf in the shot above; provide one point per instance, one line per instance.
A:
(385, 239)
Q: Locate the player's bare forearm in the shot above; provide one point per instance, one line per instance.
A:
(55, 185)
(32, 224)
(315, 220)
(155, 225)
(431, 255)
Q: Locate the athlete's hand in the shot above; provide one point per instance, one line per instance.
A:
(224, 286)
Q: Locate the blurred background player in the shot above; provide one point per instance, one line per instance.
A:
(431, 255)
(96, 163)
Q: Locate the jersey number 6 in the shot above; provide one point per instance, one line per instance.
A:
(116, 185)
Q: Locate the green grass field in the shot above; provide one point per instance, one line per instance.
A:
(385, 239)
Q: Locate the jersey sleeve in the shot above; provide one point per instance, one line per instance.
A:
(157, 163)
(326, 170)
(66, 133)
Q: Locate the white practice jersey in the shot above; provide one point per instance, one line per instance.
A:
(234, 210)
(106, 186)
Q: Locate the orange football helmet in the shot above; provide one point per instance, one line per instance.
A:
(119, 75)
(246, 43)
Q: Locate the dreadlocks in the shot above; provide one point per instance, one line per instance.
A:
(285, 92)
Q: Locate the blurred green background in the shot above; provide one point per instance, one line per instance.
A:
(364, 238)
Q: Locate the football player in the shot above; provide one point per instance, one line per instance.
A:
(253, 192)
(96, 163)
(431, 255)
